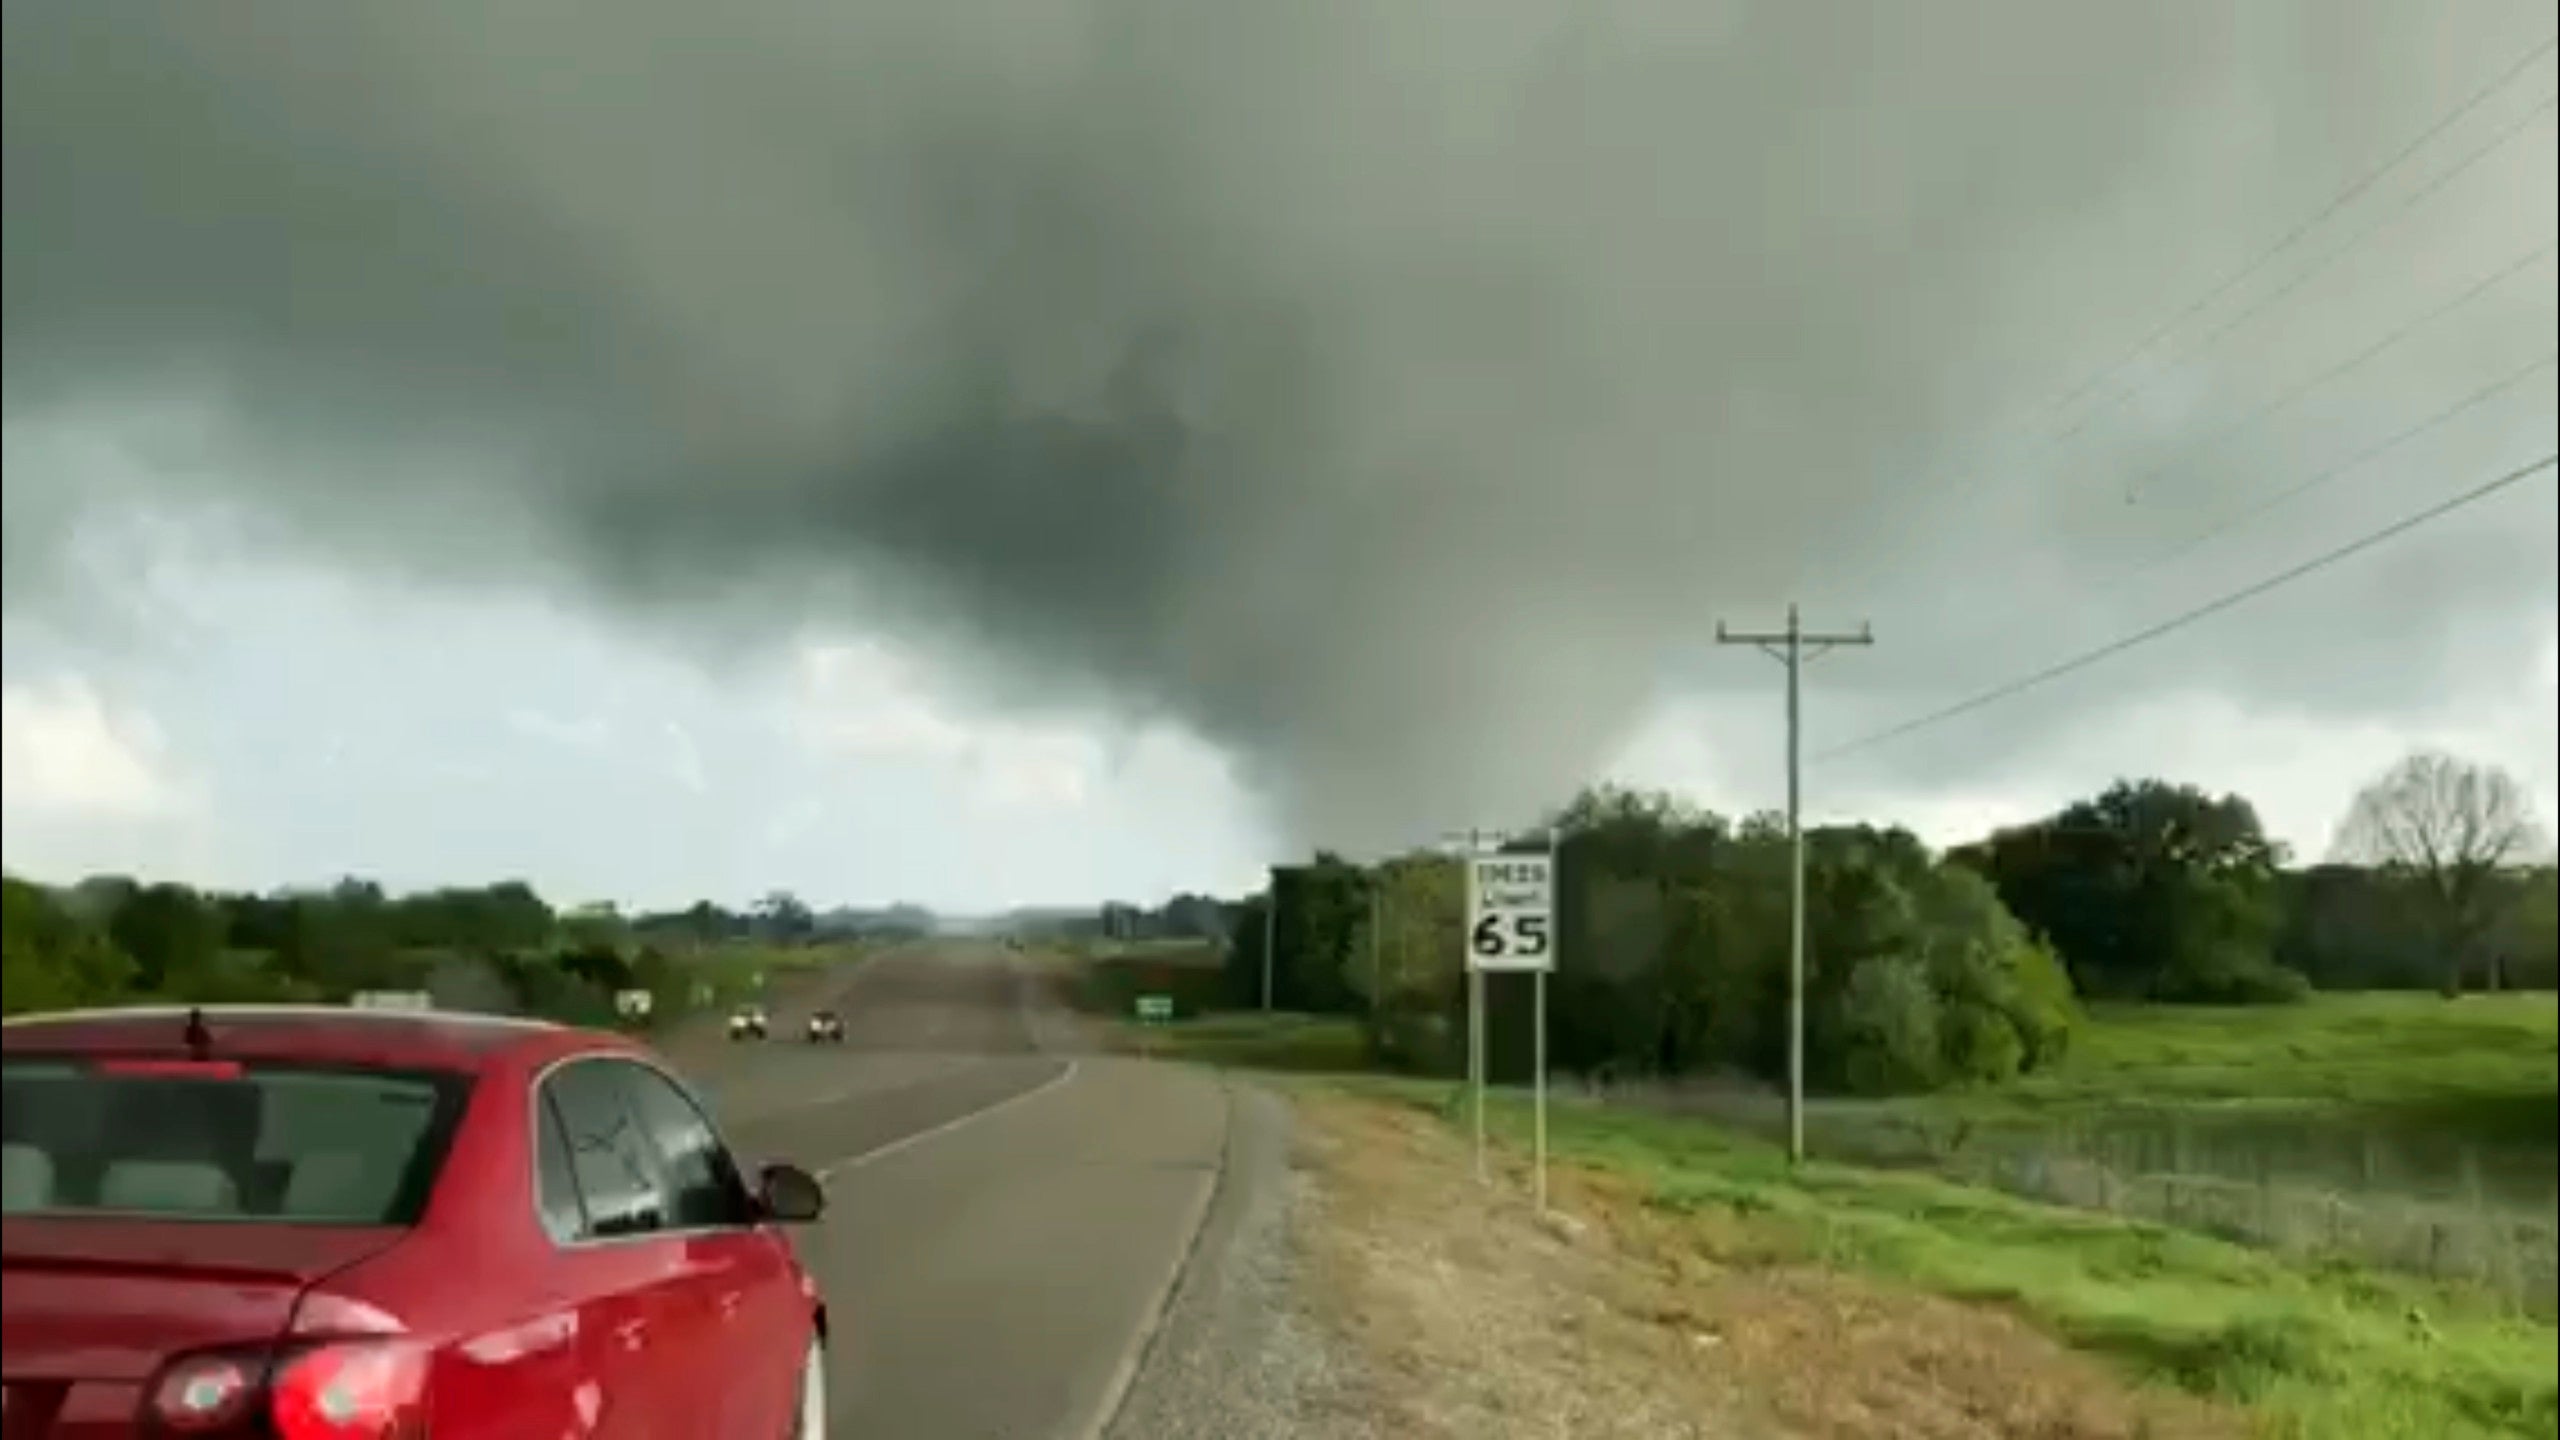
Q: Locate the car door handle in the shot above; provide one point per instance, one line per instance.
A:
(729, 1304)
(631, 1333)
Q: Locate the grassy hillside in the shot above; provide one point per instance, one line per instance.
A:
(2484, 1069)
(2306, 1346)
(2400, 1130)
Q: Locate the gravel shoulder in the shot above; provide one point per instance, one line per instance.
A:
(1355, 1280)
(1473, 1314)
(1237, 1356)
(1352, 1281)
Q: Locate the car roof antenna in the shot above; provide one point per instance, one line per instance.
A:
(199, 1036)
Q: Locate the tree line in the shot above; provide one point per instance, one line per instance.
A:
(1924, 969)
(114, 939)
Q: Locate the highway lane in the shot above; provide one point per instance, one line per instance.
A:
(1004, 1219)
(911, 1014)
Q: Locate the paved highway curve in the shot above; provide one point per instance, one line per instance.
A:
(1005, 1216)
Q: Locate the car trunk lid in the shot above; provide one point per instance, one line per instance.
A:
(111, 1300)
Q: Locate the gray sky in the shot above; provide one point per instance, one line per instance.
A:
(991, 452)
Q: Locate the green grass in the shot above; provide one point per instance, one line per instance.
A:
(2486, 1066)
(2401, 1130)
(1317, 1044)
(2313, 1348)
(2404, 1130)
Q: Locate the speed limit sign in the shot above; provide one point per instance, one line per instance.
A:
(1511, 912)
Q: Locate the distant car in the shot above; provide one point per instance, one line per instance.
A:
(322, 1223)
(826, 1025)
(747, 1022)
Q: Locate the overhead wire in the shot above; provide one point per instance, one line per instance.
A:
(2408, 204)
(2053, 410)
(2301, 231)
(2391, 338)
(2179, 550)
(2339, 203)
(2184, 618)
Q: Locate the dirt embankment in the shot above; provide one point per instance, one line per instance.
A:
(1474, 1316)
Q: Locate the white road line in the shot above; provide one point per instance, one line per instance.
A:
(883, 1152)
(868, 1085)
(1124, 1376)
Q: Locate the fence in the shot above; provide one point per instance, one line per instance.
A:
(2444, 1209)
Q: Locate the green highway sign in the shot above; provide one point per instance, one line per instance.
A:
(1155, 1009)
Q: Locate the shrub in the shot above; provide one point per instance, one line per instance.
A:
(1889, 1028)
(2231, 975)
(2041, 1005)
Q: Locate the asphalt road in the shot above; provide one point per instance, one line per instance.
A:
(1005, 1216)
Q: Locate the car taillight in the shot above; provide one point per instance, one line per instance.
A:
(359, 1390)
(341, 1390)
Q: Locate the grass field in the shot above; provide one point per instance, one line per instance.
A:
(2336, 1218)
(2355, 1145)
(1317, 1044)
(2403, 1130)
(2306, 1347)
(2483, 1070)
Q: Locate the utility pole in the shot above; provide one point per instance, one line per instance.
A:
(1791, 648)
(1377, 922)
(1270, 936)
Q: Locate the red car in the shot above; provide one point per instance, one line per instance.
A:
(308, 1223)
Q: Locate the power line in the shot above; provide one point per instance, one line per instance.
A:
(2053, 410)
(2402, 332)
(2180, 621)
(2181, 549)
(2298, 233)
(2408, 204)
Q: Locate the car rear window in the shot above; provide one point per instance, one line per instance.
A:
(273, 1143)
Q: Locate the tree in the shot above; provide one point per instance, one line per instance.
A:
(173, 936)
(51, 958)
(706, 923)
(784, 917)
(2455, 827)
(2149, 890)
(2530, 940)
(2353, 927)
(1323, 906)
(596, 925)
(1918, 976)
(1247, 922)
(1413, 984)
(483, 918)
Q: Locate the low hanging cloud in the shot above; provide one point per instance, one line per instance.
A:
(65, 750)
(1390, 394)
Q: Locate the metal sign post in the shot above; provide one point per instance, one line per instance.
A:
(1511, 927)
(1475, 1063)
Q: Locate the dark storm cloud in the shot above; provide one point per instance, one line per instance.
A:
(1383, 390)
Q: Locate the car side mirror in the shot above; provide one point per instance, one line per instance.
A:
(789, 1194)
